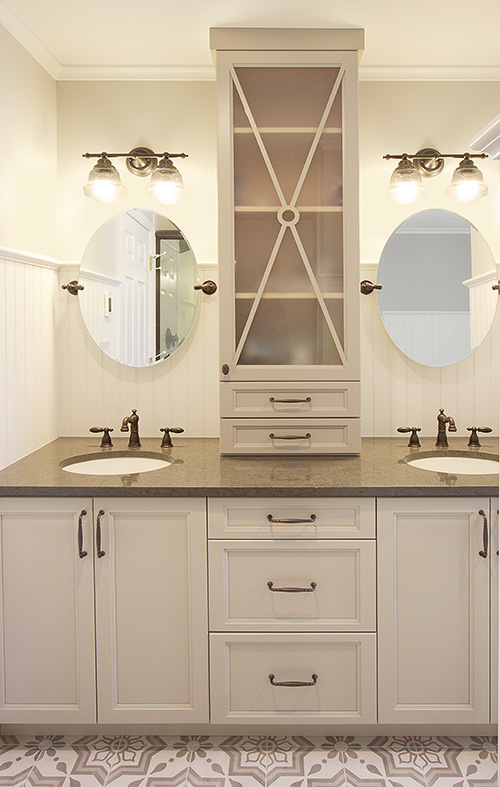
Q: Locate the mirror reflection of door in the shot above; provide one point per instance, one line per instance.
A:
(437, 302)
(175, 303)
(138, 272)
(136, 244)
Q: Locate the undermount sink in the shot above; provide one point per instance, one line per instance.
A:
(457, 462)
(117, 463)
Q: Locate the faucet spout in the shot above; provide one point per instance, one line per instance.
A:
(444, 421)
(133, 420)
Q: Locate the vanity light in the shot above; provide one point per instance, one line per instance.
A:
(406, 184)
(104, 183)
(166, 183)
(467, 182)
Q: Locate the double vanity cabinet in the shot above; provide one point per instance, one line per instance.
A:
(248, 609)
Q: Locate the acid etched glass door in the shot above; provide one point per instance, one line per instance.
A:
(289, 221)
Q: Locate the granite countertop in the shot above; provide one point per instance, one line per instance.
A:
(198, 470)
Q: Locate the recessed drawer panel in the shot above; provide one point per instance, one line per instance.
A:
(333, 677)
(290, 437)
(282, 400)
(292, 517)
(292, 585)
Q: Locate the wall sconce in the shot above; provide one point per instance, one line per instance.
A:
(406, 184)
(104, 184)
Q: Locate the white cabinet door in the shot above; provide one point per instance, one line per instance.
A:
(433, 590)
(47, 611)
(151, 611)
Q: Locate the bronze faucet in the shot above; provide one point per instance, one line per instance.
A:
(133, 420)
(442, 420)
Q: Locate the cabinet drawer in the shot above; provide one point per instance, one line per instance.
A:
(290, 436)
(344, 691)
(282, 400)
(292, 517)
(292, 585)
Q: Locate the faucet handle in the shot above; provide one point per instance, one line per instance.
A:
(474, 439)
(413, 441)
(167, 440)
(106, 439)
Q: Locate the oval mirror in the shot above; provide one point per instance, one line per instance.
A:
(437, 301)
(138, 272)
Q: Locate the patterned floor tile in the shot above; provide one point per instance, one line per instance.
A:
(247, 761)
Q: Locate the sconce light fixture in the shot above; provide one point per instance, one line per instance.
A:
(104, 184)
(406, 184)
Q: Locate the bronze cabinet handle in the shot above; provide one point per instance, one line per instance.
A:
(290, 436)
(81, 551)
(310, 589)
(289, 401)
(100, 552)
(293, 683)
(484, 551)
(271, 519)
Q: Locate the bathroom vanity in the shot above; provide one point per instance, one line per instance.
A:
(248, 590)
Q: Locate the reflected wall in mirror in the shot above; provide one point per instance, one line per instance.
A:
(437, 301)
(138, 301)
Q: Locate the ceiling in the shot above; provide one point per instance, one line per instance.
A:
(161, 39)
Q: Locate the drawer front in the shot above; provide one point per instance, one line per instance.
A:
(343, 691)
(292, 585)
(289, 437)
(282, 400)
(292, 517)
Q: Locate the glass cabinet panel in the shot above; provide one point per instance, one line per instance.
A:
(288, 216)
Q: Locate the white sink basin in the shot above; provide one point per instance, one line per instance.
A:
(457, 462)
(118, 463)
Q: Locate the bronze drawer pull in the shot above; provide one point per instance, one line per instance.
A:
(293, 683)
(310, 589)
(289, 401)
(271, 519)
(81, 551)
(100, 552)
(484, 551)
(290, 436)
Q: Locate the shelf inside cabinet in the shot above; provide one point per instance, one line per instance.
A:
(289, 295)
(285, 130)
(276, 208)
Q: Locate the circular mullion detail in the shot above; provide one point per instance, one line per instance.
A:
(288, 215)
(141, 162)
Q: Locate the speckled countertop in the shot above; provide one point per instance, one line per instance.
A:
(198, 470)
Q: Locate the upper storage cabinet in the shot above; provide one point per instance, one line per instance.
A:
(288, 200)
(288, 224)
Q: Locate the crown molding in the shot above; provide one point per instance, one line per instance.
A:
(136, 73)
(429, 73)
(23, 33)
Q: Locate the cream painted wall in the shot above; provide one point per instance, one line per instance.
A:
(117, 116)
(28, 144)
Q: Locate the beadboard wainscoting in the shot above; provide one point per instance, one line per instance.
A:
(396, 391)
(28, 366)
(180, 391)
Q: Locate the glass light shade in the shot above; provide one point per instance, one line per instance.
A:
(166, 184)
(104, 184)
(467, 183)
(406, 184)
